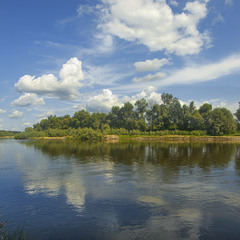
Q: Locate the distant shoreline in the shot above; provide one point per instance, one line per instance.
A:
(166, 138)
(181, 138)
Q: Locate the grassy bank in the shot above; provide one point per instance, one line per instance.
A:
(91, 134)
(182, 138)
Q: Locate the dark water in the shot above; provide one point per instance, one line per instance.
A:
(128, 190)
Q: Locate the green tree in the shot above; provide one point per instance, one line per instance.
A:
(141, 108)
(205, 108)
(113, 117)
(237, 115)
(196, 121)
(167, 99)
(156, 116)
(28, 129)
(83, 117)
(220, 121)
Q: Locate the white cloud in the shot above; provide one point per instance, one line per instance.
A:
(28, 99)
(79, 107)
(153, 24)
(2, 111)
(207, 72)
(66, 88)
(150, 77)
(102, 102)
(217, 19)
(174, 3)
(105, 101)
(107, 74)
(150, 65)
(228, 2)
(44, 115)
(103, 44)
(16, 114)
(232, 106)
(149, 94)
(85, 9)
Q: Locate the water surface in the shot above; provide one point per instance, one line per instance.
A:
(126, 190)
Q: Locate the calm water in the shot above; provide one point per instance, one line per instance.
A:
(128, 190)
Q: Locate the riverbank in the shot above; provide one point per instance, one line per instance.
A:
(180, 138)
(166, 138)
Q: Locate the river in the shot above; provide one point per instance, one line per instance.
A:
(127, 190)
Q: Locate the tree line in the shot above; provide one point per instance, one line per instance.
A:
(148, 116)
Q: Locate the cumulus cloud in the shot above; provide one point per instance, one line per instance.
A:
(102, 102)
(106, 100)
(203, 73)
(44, 115)
(2, 111)
(149, 94)
(66, 87)
(16, 114)
(154, 24)
(28, 99)
(150, 65)
(150, 77)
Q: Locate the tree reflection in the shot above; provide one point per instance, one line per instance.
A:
(169, 155)
(237, 159)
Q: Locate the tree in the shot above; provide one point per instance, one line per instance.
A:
(175, 114)
(126, 112)
(28, 129)
(83, 117)
(167, 99)
(141, 106)
(156, 116)
(220, 121)
(94, 121)
(237, 115)
(205, 108)
(97, 120)
(196, 121)
(191, 118)
(113, 117)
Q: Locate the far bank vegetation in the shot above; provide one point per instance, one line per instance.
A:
(142, 118)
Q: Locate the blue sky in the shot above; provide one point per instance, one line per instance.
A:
(61, 56)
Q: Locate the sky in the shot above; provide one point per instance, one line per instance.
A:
(60, 56)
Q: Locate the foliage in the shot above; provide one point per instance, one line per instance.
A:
(142, 117)
(220, 121)
(7, 133)
(29, 135)
(237, 115)
(88, 134)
